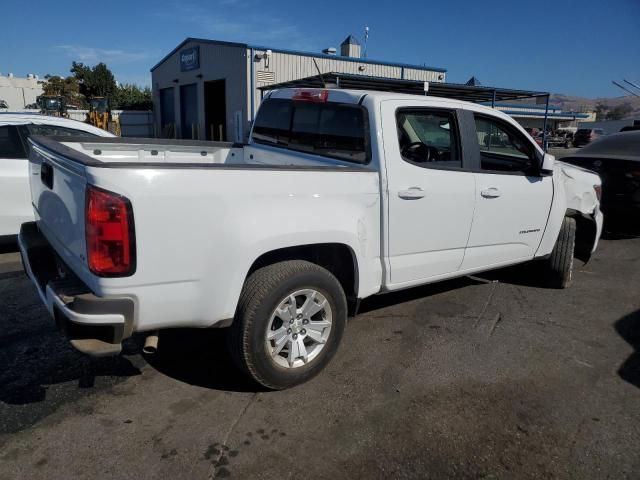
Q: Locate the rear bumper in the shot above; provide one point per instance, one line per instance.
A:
(94, 325)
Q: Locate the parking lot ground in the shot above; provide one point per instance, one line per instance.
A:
(485, 377)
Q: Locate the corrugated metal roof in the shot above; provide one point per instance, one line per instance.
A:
(300, 53)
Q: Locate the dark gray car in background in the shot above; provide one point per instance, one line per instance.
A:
(616, 158)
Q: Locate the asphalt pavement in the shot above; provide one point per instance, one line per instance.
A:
(487, 377)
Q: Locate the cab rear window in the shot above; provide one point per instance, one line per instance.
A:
(336, 130)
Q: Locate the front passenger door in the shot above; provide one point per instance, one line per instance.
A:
(513, 200)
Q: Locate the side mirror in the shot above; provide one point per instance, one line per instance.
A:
(548, 161)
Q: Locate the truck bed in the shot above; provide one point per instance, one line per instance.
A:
(173, 153)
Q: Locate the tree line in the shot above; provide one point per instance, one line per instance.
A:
(604, 112)
(87, 82)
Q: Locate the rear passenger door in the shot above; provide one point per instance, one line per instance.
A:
(513, 200)
(430, 196)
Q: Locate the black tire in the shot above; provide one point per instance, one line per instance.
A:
(559, 267)
(263, 290)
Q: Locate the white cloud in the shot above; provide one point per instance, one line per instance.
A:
(241, 21)
(133, 78)
(93, 55)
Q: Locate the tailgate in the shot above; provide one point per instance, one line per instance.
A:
(58, 197)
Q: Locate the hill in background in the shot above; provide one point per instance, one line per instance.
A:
(581, 104)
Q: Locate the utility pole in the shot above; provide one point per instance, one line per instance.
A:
(366, 37)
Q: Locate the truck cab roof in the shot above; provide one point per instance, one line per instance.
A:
(360, 96)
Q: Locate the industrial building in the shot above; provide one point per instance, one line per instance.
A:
(210, 89)
(18, 92)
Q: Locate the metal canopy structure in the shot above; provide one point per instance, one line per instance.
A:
(469, 93)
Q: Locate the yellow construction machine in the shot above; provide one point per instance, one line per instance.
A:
(99, 112)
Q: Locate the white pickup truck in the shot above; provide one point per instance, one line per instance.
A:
(339, 195)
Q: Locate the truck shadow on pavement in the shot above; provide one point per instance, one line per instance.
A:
(199, 357)
(628, 327)
(39, 370)
(533, 274)
(526, 275)
(402, 296)
(28, 370)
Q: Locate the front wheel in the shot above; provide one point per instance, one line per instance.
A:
(559, 265)
(289, 322)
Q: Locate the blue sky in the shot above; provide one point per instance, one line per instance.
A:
(563, 46)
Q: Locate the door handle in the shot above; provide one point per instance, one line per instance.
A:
(491, 192)
(411, 193)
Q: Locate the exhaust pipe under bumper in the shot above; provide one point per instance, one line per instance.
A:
(151, 343)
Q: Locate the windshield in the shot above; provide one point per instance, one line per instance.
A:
(51, 104)
(99, 104)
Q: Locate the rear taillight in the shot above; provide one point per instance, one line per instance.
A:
(109, 232)
(598, 190)
(315, 96)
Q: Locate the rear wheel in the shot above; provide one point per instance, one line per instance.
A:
(289, 323)
(559, 266)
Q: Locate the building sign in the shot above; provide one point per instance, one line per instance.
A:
(190, 59)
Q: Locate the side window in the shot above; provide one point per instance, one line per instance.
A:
(54, 130)
(10, 144)
(429, 138)
(502, 147)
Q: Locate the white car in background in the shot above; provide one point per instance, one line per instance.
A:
(15, 197)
